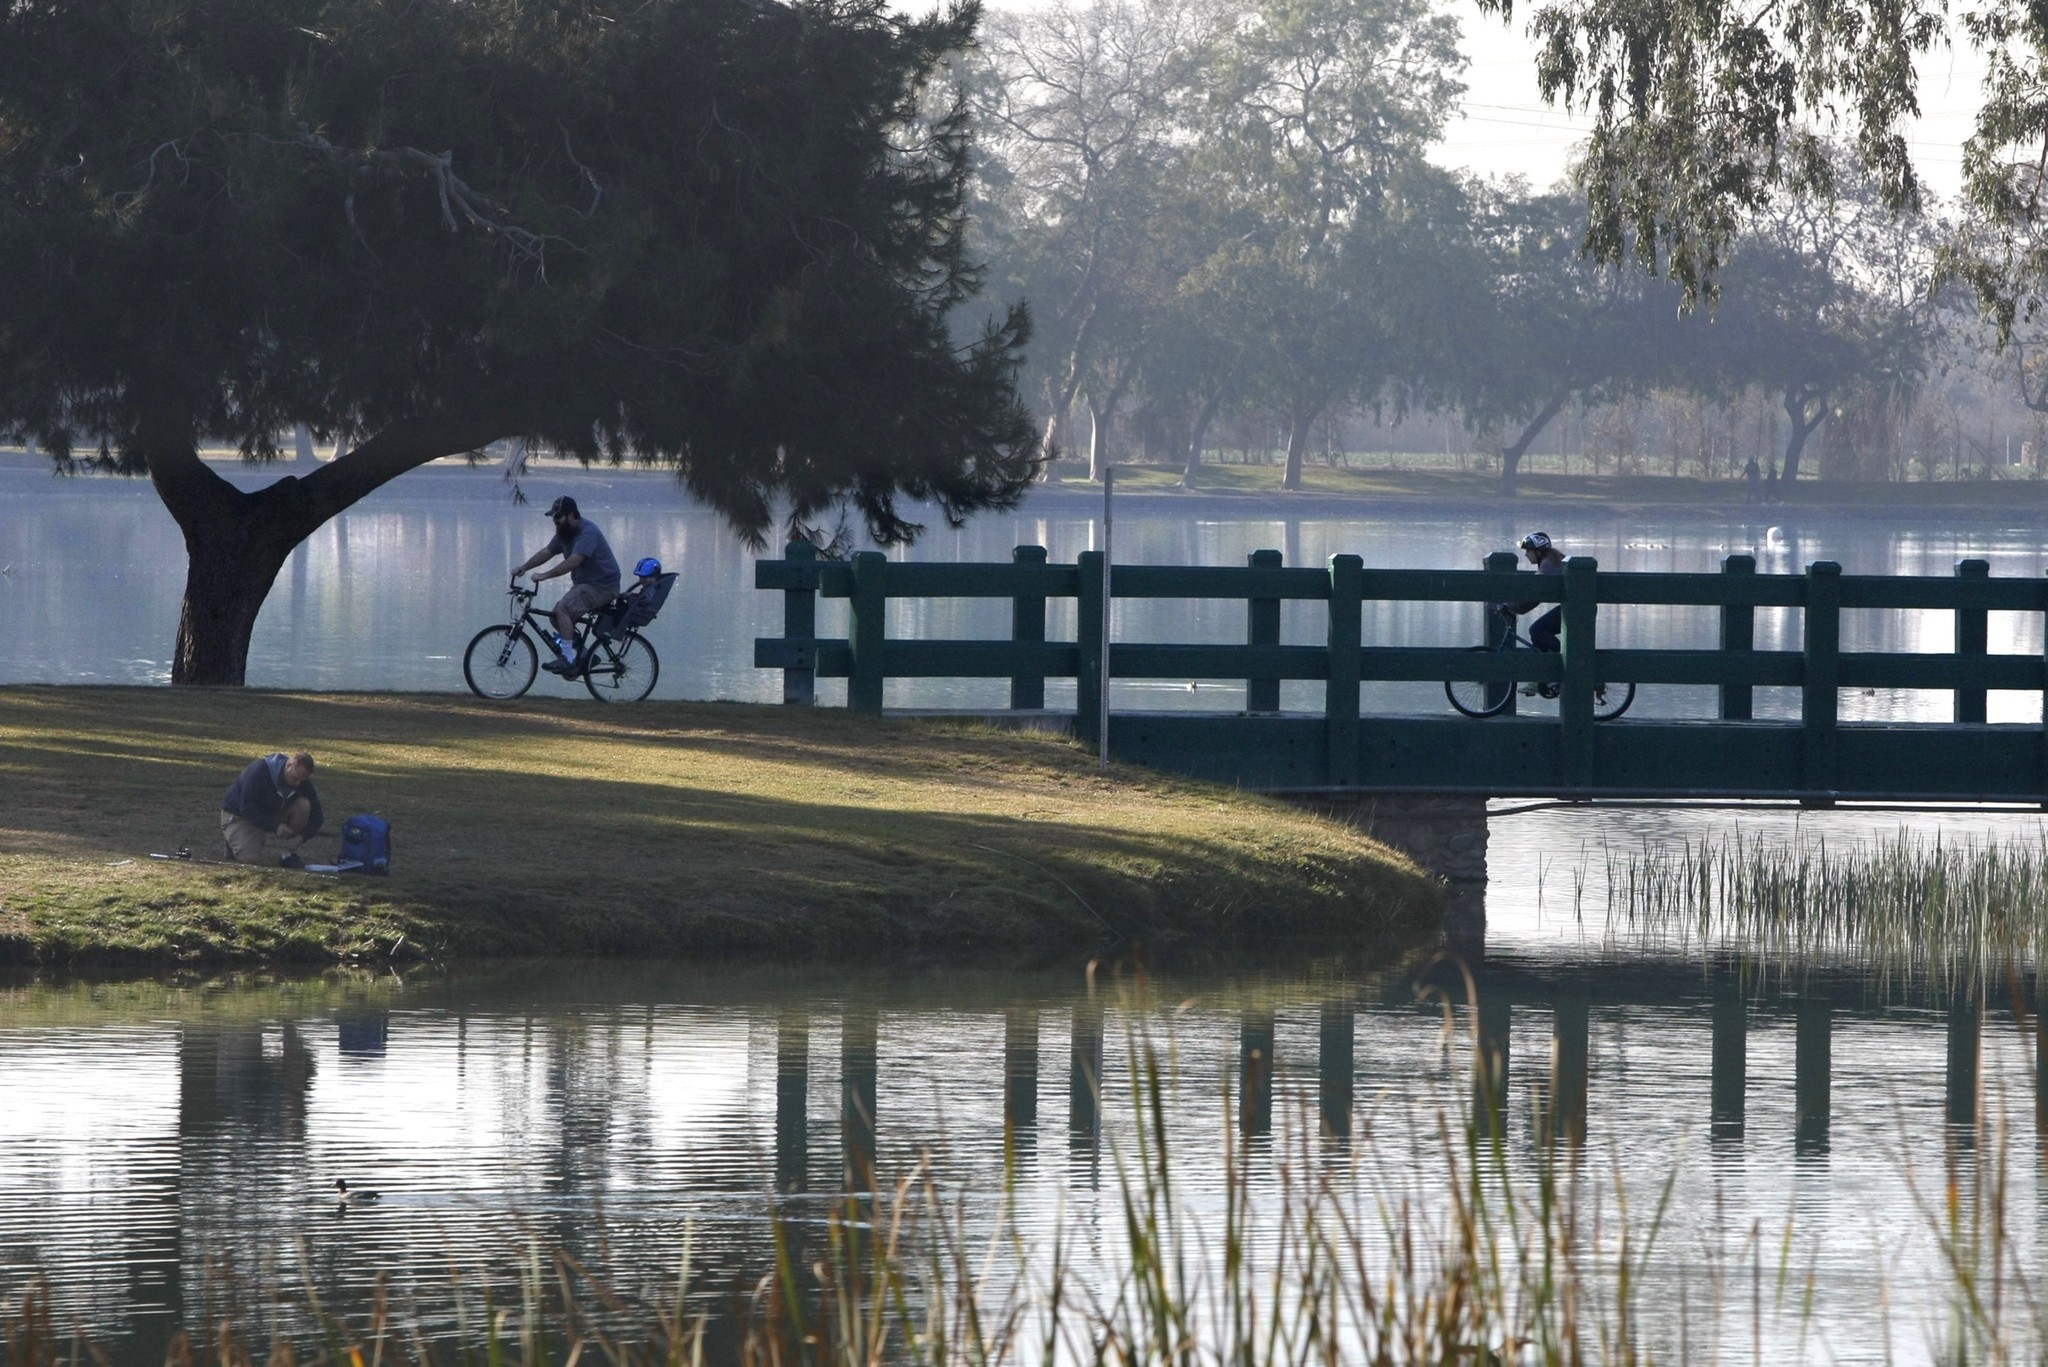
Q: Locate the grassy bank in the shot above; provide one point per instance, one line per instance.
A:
(566, 828)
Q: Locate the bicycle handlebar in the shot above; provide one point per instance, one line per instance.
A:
(525, 593)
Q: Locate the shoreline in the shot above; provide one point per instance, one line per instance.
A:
(1339, 493)
(664, 829)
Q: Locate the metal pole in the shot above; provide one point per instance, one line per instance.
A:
(1102, 692)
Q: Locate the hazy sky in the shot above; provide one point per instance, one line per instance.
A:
(1507, 127)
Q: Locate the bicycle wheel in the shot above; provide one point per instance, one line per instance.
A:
(1477, 699)
(624, 670)
(500, 663)
(1611, 700)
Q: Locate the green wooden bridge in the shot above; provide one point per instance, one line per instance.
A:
(1814, 758)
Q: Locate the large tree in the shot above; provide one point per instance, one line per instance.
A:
(724, 235)
(1557, 328)
(1322, 111)
(1077, 100)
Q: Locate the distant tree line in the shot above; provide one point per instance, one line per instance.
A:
(1221, 209)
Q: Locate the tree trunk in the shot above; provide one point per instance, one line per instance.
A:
(1061, 392)
(1299, 429)
(1204, 415)
(1511, 455)
(236, 542)
(1797, 405)
(1102, 415)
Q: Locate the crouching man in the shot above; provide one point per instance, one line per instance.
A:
(273, 797)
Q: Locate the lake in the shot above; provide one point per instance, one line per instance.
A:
(162, 1143)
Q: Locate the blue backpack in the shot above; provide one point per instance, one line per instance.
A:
(366, 844)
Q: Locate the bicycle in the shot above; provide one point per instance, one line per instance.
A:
(501, 661)
(1491, 697)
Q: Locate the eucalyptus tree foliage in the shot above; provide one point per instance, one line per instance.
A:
(722, 235)
(1823, 298)
(1083, 144)
(1322, 112)
(1559, 327)
(1703, 112)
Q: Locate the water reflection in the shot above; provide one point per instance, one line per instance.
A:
(164, 1134)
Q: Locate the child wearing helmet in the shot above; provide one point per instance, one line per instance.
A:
(1541, 552)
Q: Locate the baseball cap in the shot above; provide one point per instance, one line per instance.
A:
(564, 506)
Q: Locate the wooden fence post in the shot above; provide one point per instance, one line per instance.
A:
(800, 624)
(1575, 705)
(1738, 635)
(1819, 703)
(1262, 628)
(870, 632)
(1088, 641)
(1973, 641)
(1340, 695)
(1498, 628)
(1027, 633)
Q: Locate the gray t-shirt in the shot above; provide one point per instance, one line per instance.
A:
(598, 566)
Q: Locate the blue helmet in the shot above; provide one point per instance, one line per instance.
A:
(648, 568)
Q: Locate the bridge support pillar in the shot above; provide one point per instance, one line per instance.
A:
(1444, 834)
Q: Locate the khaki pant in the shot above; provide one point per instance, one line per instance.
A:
(244, 838)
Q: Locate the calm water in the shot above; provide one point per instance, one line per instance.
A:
(158, 1139)
(155, 1139)
(388, 595)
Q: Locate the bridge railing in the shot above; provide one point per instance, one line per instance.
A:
(867, 658)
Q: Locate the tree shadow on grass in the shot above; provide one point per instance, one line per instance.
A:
(505, 860)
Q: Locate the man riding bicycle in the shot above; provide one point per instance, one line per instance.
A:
(593, 576)
(1547, 559)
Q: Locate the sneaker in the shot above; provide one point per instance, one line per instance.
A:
(1548, 690)
(560, 666)
(1531, 690)
(290, 859)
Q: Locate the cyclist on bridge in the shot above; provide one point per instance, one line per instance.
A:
(1547, 559)
(593, 576)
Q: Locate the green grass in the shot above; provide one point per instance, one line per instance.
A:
(665, 828)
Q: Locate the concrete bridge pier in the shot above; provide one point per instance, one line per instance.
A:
(1444, 834)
